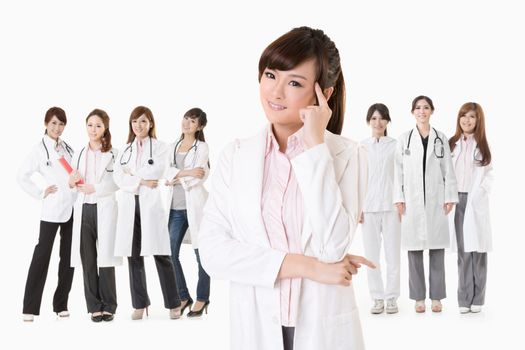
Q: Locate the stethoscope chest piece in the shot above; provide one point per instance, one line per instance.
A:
(407, 152)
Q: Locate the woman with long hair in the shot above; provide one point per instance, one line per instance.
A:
(470, 222)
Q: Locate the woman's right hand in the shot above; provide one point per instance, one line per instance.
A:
(400, 209)
(49, 190)
(149, 183)
(196, 172)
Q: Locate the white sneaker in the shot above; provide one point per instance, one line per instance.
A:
(379, 306)
(475, 308)
(391, 306)
(64, 313)
(464, 310)
(28, 317)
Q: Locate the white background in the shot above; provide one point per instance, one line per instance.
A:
(171, 57)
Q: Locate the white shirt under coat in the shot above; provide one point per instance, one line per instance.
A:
(56, 207)
(381, 162)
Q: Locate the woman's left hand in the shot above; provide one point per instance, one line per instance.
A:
(86, 188)
(315, 119)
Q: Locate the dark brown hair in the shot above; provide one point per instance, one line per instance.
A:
(302, 44)
(136, 114)
(200, 115)
(106, 137)
(479, 132)
(55, 112)
(421, 97)
(381, 109)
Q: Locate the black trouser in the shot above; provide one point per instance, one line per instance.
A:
(288, 335)
(137, 272)
(99, 283)
(36, 277)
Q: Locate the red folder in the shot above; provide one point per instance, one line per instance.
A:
(68, 168)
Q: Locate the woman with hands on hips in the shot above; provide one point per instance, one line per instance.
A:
(57, 212)
(187, 170)
(424, 193)
(95, 217)
(142, 227)
(284, 206)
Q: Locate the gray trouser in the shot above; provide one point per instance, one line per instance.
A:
(288, 334)
(99, 282)
(472, 266)
(416, 274)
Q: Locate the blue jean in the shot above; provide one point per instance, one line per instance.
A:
(178, 224)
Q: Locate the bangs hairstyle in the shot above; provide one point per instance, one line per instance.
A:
(381, 109)
(106, 137)
(479, 132)
(200, 115)
(136, 114)
(300, 45)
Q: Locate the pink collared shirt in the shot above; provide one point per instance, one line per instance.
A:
(282, 213)
(92, 162)
(465, 163)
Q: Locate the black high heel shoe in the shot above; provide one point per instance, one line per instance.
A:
(198, 313)
(188, 304)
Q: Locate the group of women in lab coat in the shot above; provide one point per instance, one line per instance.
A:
(423, 192)
(283, 208)
(110, 206)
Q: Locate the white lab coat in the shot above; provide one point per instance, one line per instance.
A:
(477, 233)
(195, 193)
(424, 225)
(154, 224)
(58, 206)
(234, 244)
(105, 189)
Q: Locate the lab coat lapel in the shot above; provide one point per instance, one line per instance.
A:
(430, 145)
(249, 179)
(105, 160)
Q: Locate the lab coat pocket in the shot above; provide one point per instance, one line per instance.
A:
(343, 331)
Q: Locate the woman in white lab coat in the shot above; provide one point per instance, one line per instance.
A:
(187, 170)
(424, 192)
(142, 227)
(57, 212)
(470, 221)
(284, 206)
(380, 219)
(95, 217)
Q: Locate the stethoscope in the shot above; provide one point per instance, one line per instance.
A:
(439, 149)
(130, 148)
(65, 146)
(112, 160)
(177, 145)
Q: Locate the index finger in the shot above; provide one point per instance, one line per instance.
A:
(361, 260)
(321, 99)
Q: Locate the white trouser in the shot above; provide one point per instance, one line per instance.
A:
(385, 223)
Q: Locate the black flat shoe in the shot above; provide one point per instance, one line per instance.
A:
(97, 318)
(108, 317)
(198, 313)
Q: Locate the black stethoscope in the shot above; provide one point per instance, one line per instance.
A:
(439, 149)
(130, 148)
(65, 146)
(112, 160)
(177, 145)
